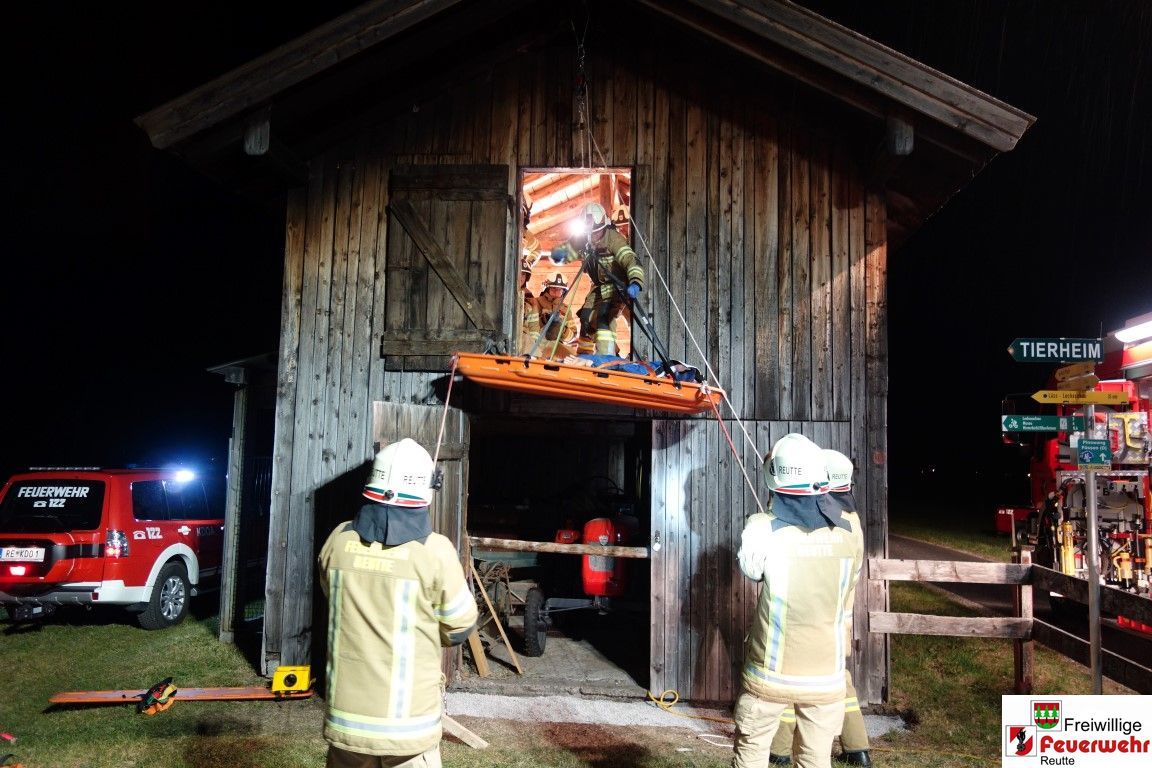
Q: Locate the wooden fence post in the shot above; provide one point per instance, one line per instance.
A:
(1024, 651)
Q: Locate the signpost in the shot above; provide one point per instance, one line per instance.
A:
(1056, 350)
(1086, 450)
(1015, 423)
(1076, 397)
(1076, 387)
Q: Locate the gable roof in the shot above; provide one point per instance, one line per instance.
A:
(964, 126)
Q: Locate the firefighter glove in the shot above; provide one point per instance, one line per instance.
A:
(633, 290)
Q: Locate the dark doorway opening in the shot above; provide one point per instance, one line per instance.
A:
(575, 622)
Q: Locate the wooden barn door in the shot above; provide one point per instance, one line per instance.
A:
(698, 598)
(448, 264)
(395, 421)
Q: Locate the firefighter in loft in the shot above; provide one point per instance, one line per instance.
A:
(530, 323)
(397, 594)
(556, 319)
(613, 268)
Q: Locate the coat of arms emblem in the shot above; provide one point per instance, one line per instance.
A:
(1046, 714)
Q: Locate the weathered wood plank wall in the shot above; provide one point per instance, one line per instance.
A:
(773, 252)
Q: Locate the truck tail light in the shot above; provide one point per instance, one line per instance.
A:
(115, 544)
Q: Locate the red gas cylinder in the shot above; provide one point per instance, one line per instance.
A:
(603, 576)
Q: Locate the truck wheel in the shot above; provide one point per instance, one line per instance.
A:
(168, 604)
(535, 623)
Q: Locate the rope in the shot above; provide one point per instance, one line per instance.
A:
(444, 415)
(583, 123)
(743, 468)
(666, 704)
(581, 90)
(692, 336)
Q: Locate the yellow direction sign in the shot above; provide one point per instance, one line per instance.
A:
(1073, 397)
(1075, 370)
(1079, 382)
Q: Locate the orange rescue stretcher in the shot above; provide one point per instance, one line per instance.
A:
(549, 378)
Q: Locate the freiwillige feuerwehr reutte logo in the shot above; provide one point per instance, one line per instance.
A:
(1097, 731)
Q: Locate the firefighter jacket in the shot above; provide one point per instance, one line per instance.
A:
(565, 318)
(530, 327)
(613, 256)
(390, 611)
(796, 647)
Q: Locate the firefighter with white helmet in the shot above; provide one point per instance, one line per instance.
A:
(397, 594)
(609, 261)
(808, 559)
(854, 744)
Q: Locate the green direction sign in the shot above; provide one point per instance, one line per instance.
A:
(1016, 423)
(1094, 454)
(1056, 350)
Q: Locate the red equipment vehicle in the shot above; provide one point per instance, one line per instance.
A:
(1057, 523)
(147, 540)
(603, 577)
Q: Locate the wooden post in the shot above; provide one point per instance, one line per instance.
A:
(1024, 651)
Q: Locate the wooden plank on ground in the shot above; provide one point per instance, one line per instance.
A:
(478, 654)
(462, 733)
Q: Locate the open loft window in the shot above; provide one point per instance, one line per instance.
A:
(552, 201)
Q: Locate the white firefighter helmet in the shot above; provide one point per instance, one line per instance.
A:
(401, 476)
(839, 469)
(593, 218)
(796, 467)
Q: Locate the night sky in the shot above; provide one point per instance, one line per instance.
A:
(129, 275)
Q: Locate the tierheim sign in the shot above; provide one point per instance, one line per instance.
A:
(1056, 350)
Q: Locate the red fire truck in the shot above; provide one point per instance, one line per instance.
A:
(1057, 522)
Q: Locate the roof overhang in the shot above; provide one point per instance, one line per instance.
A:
(933, 133)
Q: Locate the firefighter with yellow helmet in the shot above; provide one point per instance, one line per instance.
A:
(397, 595)
(610, 262)
(808, 559)
(854, 744)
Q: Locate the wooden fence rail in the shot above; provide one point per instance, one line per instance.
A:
(1023, 628)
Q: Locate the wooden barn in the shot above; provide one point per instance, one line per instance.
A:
(765, 162)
